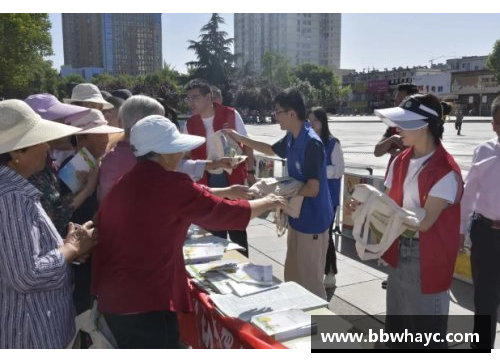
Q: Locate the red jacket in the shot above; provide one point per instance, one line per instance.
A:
(224, 118)
(138, 265)
(438, 245)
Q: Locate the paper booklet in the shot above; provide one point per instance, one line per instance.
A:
(283, 296)
(202, 253)
(252, 274)
(199, 270)
(212, 240)
(82, 161)
(285, 324)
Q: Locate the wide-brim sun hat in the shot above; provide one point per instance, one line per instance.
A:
(87, 92)
(409, 115)
(159, 135)
(22, 127)
(92, 123)
(49, 107)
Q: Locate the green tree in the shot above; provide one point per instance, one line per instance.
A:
(493, 62)
(314, 74)
(215, 61)
(276, 69)
(24, 41)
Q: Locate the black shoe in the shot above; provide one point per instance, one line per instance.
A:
(384, 284)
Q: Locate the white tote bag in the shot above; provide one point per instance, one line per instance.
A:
(380, 215)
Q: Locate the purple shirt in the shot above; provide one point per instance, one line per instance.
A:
(117, 162)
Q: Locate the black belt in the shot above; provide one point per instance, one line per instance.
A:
(493, 224)
(404, 239)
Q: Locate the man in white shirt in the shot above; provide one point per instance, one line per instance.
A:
(481, 201)
(207, 118)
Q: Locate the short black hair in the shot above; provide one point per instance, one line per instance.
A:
(200, 84)
(408, 88)
(291, 99)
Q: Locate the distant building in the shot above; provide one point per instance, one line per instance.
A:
(313, 38)
(466, 64)
(116, 43)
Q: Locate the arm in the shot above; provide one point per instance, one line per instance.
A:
(310, 188)
(21, 263)
(262, 147)
(386, 144)
(233, 192)
(240, 128)
(200, 207)
(88, 189)
(336, 169)
(433, 207)
(314, 156)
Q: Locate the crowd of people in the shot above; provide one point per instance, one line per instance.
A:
(118, 239)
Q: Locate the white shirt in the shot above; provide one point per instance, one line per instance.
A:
(336, 169)
(445, 189)
(209, 129)
(482, 186)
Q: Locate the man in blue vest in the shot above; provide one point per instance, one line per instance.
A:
(305, 153)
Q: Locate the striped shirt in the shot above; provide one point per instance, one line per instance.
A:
(36, 308)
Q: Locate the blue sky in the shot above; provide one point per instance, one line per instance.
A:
(368, 40)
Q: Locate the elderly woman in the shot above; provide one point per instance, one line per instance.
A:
(35, 284)
(138, 268)
(59, 208)
(94, 136)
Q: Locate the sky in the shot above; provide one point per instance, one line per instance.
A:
(368, 40)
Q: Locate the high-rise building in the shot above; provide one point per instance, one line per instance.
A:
(115, 43)
(313, 38)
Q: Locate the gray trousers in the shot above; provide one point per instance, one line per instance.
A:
(407, 305)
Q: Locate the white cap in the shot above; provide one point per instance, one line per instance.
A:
(87, 92)
(159, 135)
(409, 115)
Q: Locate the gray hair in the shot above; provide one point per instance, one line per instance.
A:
(136, 108)
(495, 107)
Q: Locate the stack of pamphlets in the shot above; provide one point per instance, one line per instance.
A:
(196, 254)
(285, 324)
(287, 295)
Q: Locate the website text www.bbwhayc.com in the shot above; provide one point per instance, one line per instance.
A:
(406, 337)
(379, 333)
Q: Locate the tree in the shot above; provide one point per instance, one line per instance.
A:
(215, 62)
(493, 62)
(276, 69)
(315, 74)
(24, 41)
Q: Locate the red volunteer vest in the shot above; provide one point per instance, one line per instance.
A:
(224, 118)
(438, 245)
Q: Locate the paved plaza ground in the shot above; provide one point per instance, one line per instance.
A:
(358, 293)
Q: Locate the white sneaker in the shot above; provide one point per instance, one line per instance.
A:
(329, 280)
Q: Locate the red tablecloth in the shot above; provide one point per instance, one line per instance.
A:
(205, 327)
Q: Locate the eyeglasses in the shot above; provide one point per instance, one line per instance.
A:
(275, 113)
(192, 98)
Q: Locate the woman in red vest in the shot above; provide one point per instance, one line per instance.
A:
(424, 176)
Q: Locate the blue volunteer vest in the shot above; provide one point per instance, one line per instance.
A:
(333, 183)
(316, 213)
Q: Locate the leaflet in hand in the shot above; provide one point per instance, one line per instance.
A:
(83, 161)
